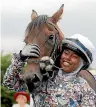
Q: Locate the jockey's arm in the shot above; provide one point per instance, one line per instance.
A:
(11, 78)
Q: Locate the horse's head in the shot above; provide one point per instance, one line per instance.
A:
(43, 31)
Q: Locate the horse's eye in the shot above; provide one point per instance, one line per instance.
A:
(51, 37)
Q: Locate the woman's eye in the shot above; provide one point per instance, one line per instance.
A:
(66, 51)
(75, 56)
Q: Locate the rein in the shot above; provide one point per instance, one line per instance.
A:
(56, 42)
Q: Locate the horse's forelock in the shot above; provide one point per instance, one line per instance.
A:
(37, 22)
(41, 19)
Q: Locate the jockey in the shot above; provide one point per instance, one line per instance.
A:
(64, 88)
(61, 86)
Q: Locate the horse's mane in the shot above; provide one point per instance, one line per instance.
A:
(41, 19)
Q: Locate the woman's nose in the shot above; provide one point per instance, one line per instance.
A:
(66, 56)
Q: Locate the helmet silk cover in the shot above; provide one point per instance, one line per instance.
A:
(88, 44)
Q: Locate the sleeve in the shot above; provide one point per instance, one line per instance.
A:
(89, 96)
(11, 78)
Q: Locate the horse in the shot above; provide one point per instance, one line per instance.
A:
(43, 31)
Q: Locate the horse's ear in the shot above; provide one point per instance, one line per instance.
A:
(33, 15)
(56, 16)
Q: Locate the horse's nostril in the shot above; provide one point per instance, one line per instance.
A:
(51, 37)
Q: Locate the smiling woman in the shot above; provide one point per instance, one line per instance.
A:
(64, 86)
(69, 60)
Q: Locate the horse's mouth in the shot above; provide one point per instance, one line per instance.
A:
(32, 80)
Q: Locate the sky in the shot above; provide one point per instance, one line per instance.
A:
(79, 16)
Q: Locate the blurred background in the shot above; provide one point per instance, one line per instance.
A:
(79, 17)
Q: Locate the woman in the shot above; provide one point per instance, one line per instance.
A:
(63, 87)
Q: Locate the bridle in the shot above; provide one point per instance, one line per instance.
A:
(56, 44)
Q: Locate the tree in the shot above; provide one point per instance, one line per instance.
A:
(6, 95)
(5, 62)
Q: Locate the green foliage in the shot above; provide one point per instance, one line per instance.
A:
(5, 62)
(6, 95)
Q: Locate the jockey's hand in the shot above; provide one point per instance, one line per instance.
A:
(30, 51)
(46, 67)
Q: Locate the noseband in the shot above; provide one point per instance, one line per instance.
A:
(56, 43)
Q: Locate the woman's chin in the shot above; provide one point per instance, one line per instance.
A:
(67, 69)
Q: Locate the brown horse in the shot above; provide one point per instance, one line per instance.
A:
(44, 32)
